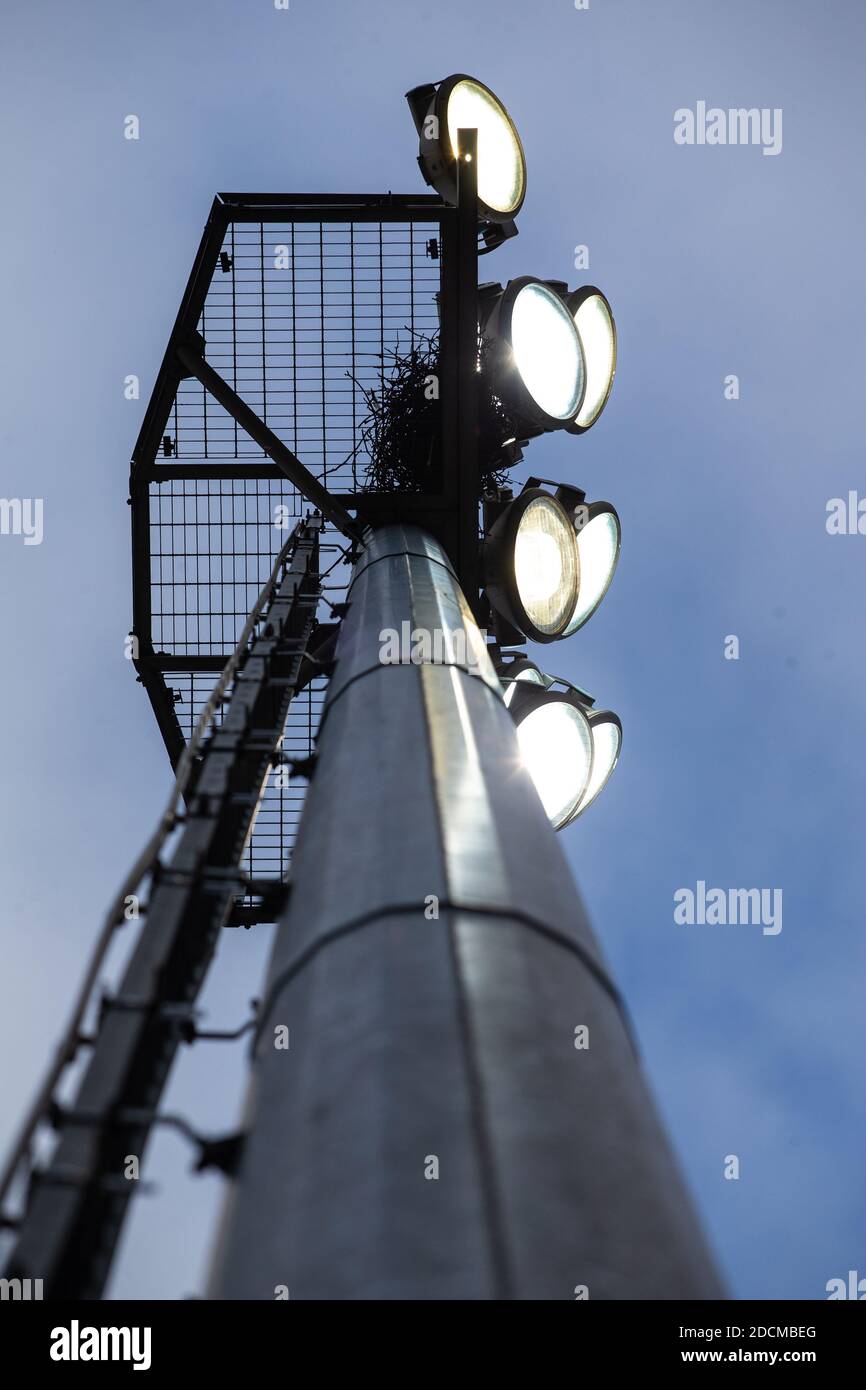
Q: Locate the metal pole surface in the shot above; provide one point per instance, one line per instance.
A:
(420, 1122)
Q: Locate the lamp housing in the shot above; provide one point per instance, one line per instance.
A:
(531, 565)
(533, 352)
(458, 102)
(555, 738)
(527, 693)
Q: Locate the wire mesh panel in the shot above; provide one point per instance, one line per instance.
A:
(213, 543)
(213, 573)
(301, 319)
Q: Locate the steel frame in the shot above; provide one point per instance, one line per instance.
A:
(450, 515)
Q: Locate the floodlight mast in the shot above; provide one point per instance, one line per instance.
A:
(446, 1101)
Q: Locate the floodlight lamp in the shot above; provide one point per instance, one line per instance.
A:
(606, 731)
(599, 540)
(594, 321)
(459, 103)
(552, 730)
(554, 738)
(532, 565)
(534, 352)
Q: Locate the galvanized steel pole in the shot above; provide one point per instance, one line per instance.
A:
(421, 1124)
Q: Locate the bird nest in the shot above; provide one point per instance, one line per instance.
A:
(402, 430)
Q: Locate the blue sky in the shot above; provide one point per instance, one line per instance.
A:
(718, 261)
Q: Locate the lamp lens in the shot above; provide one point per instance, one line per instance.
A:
(546, 565)
(595, 326)
(501, 169)
(606, 740)
(556, 747)
(598, 548)
(547, 350)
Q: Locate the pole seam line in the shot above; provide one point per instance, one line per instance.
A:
(525, 919)
(389, 666)
(398, 555)
(503, 1279)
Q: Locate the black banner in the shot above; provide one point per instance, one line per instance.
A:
(229, 1339)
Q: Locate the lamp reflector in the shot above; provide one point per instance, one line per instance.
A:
(598, 545)
(546, 564)
(556, 746)
(595, 325)
(547, 351)
(501, 165)
(606, 743)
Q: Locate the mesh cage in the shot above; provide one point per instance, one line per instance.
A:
(301, 317)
